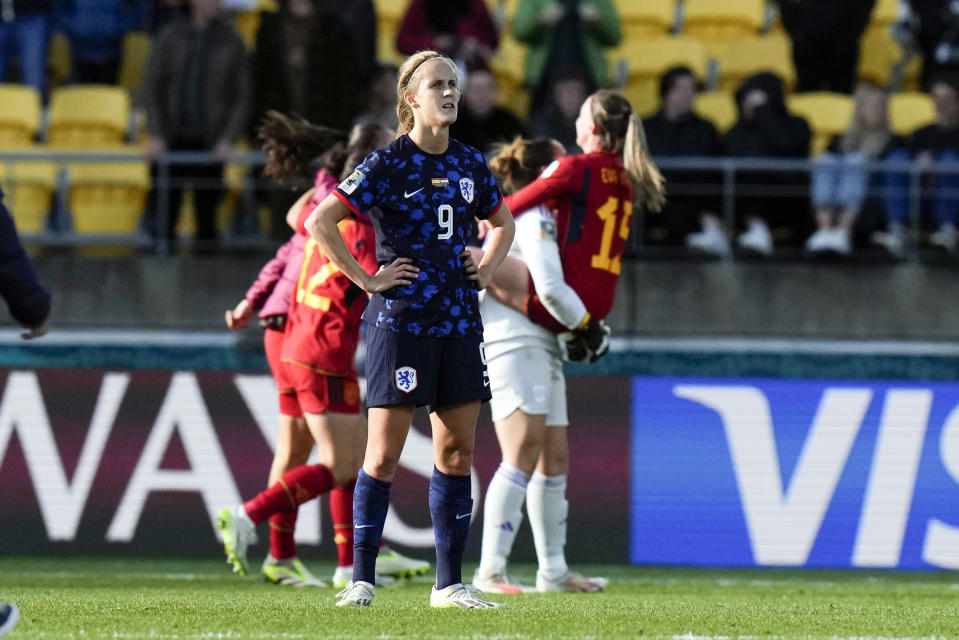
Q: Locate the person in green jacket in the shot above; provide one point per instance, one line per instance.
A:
(565, 37)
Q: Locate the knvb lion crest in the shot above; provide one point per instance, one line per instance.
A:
(466, 188)
(406, 379)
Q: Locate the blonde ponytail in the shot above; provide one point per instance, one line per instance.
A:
(647, 180)
(404, 113)
(621, 131)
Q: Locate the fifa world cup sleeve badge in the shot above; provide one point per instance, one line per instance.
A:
(405, 379)
(466, 188)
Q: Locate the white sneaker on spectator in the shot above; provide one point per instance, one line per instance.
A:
(758, 239)
(710, 240)
(945, 238)
(818, 241)
(893, 241)
(840, 242)
(834, 240)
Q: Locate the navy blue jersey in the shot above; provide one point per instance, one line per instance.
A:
(422, 207)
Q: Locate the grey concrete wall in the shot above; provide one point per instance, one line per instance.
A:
(655, 298)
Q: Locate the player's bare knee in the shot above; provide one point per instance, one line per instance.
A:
(457, 462)
(381, 465)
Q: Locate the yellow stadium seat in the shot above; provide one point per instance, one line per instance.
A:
(719, 107)
(746, 56)
(19, 116)
(136, 47)
(909, 111)
(88, 116)
(645, 18)
(717, 23)
(827, 114)
(28, 191)
(884, 14)
(109, 197)
(878, 53)
(509, 62)
(391, 10)
(647, 60)
(247, 23)
(386, 50)
(59, 60)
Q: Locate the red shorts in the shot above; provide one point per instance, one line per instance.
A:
(318, 393)
(272, 342)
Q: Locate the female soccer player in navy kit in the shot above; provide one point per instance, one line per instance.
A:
(424, 344)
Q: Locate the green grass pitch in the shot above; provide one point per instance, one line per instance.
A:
(134, 598)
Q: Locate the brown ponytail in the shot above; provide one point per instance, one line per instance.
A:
(293, 144)
(519, 162)
(404, 114)
(621, 131)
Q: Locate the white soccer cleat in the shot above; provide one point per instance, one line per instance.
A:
(394, 563)
(503, 582)
(289, 572)
(461, 596)
(239, 533)
(343, 575)
(570, 583)
(355, 594)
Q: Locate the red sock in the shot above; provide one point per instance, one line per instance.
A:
(294, 488)
(282, 544)
(341, 511)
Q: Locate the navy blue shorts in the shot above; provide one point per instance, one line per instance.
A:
(433, 372)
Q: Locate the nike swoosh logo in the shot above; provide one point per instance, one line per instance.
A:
(460, 516)
(362, 526)
(485, 383)
(410, 195)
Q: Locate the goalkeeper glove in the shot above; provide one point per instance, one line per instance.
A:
(586, 344)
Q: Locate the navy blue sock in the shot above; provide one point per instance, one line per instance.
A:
(450, 507)
(371, 500)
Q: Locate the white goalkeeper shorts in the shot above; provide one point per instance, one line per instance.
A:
(530, 379)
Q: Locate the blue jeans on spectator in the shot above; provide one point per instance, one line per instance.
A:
(839, 180)
(28, 37)
(943, 188)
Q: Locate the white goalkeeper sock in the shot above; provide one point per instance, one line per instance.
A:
(548, 511)
(502, 516)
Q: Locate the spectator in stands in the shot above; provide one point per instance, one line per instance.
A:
(25, 29)
(766, 129)
(96, 29)
(380, 97)
(482, 123)
(930, 145)
(825, 36)
(303, 50)
(461, 29)
(566, 38)
(161, 12)
(677, 131)
(841, 179)
(24, 293)
(932, 27)
(556, 117)
(197, 92)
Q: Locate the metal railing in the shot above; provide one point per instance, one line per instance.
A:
(729, 181)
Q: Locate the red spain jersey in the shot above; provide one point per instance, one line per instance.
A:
(593, 200)
(323, 325)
